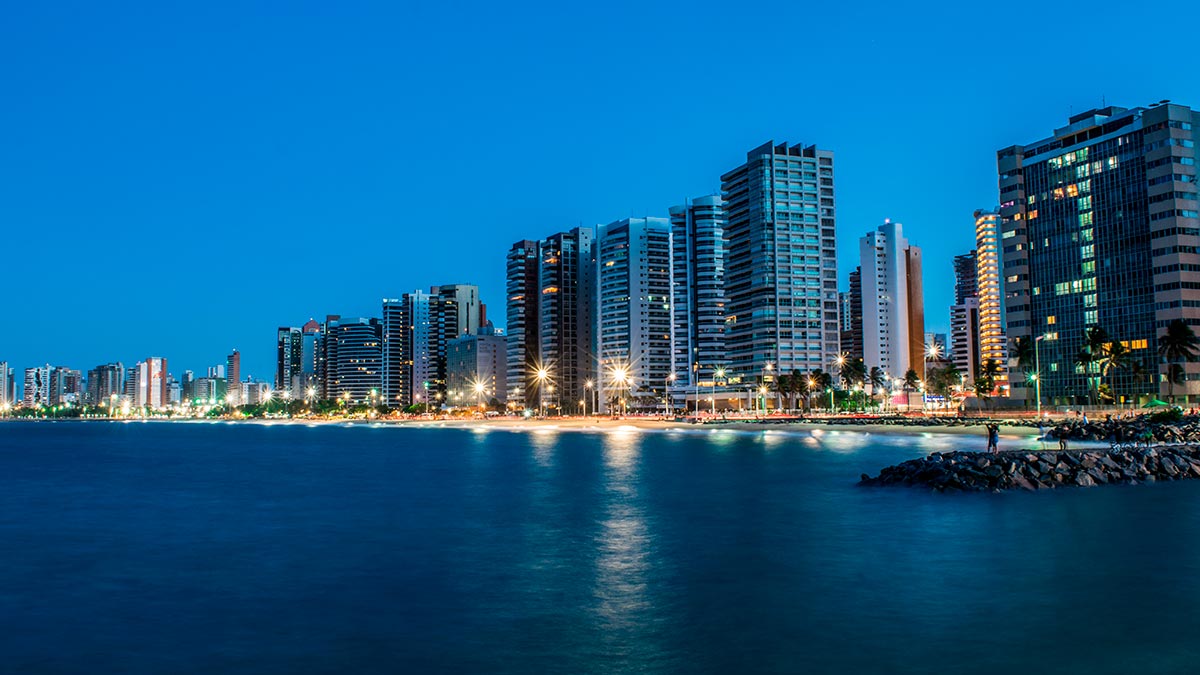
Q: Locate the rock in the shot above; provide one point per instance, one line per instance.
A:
(1084, 480)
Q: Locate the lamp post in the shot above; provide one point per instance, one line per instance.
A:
(1037, 373)
(587, 387)
(479, 394)
(830, 390)
(667, 397)
(542, 374)
(719, 372)
(621, 377)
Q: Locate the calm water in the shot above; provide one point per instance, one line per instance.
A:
(200, 548)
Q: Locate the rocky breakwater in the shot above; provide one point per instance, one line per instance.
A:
(980, 472)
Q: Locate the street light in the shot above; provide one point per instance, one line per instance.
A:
(719, 372)
(1037, 374)
(479, 394)
(621, 377)
(667, 398)
(588, 386)
(541, 376)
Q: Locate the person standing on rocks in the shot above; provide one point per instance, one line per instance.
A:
(993, 436)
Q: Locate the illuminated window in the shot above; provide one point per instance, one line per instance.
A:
(1072, 190)
(1089, 300)
(1051, 320)
(1088, 251)
(1090, 317)
(1089, 267)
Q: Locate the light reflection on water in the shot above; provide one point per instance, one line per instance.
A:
(237, 548)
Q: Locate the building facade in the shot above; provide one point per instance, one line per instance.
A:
(781, 262)
(993, 345)
(356, 363)
(233, 377)
(635, 318)
(8, 387)
(698, 283)
(892, 302)
(476, 367)
(1099, 229)
(289, 350)
(551, 309)
(151, 384)
(37, 386)
(523, 342)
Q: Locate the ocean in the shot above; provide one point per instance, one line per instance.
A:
(257, 548)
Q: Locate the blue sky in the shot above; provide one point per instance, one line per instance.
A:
(180, 180)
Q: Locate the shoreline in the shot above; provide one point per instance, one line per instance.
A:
(626, 424)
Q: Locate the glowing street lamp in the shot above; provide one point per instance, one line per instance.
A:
(479, 387)
(588, 386)
(719, 372)
(542, 374)
(621, 377)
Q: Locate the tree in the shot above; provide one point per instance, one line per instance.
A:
(1177, 345)
(800, 384)
(1083, 362)
(878, 381)
(911, 380)
(1023, 351)
(783, 387)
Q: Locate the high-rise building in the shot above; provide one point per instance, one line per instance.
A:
(634, 257)
(66, 386)
(357, 360)
(523, 350)
(187, 391)
(551, 289)
(964, 337)
(892, 302)
(233, 376)
(475, 368)
(131, 385)
(37, 386)
(289, 350)
(1099, 224)
(151, 384)
(965, 281)
(310, 350)
(461, 303)
(852, 319)
(781, 262)
(327, 374)
(8, 387)
(993, 346)
(698, 280)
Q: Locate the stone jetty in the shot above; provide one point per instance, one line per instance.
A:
(986, 472)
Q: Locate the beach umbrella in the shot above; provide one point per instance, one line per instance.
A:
(1155, 403)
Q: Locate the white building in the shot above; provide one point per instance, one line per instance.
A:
(634, 280)
(151, 386)
(892, 302)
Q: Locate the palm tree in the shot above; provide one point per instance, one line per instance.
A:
(1023, 351)
(1178, 344)
(1114, 356)
(1083, 360)
(783, 387)
(878, 380)
(800, 384)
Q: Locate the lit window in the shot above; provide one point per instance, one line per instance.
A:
(1051, 320)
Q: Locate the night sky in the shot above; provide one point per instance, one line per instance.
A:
(179, 181)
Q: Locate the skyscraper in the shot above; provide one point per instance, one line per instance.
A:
(311, 334)
(289, 350)
(551, 310)
(965, 273)
(37, 386)
(8, 387)
(852, 319)
(524, 339)
(357, 360)
(698, 279)
(233, 377)
(892, 302)
(634, 257)
(993, 346)
(781, 262)
(327, 374)
(1099, 228)
(152, 383)
(66, 386)
(464, 308)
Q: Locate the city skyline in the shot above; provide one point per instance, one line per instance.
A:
(328, 141)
